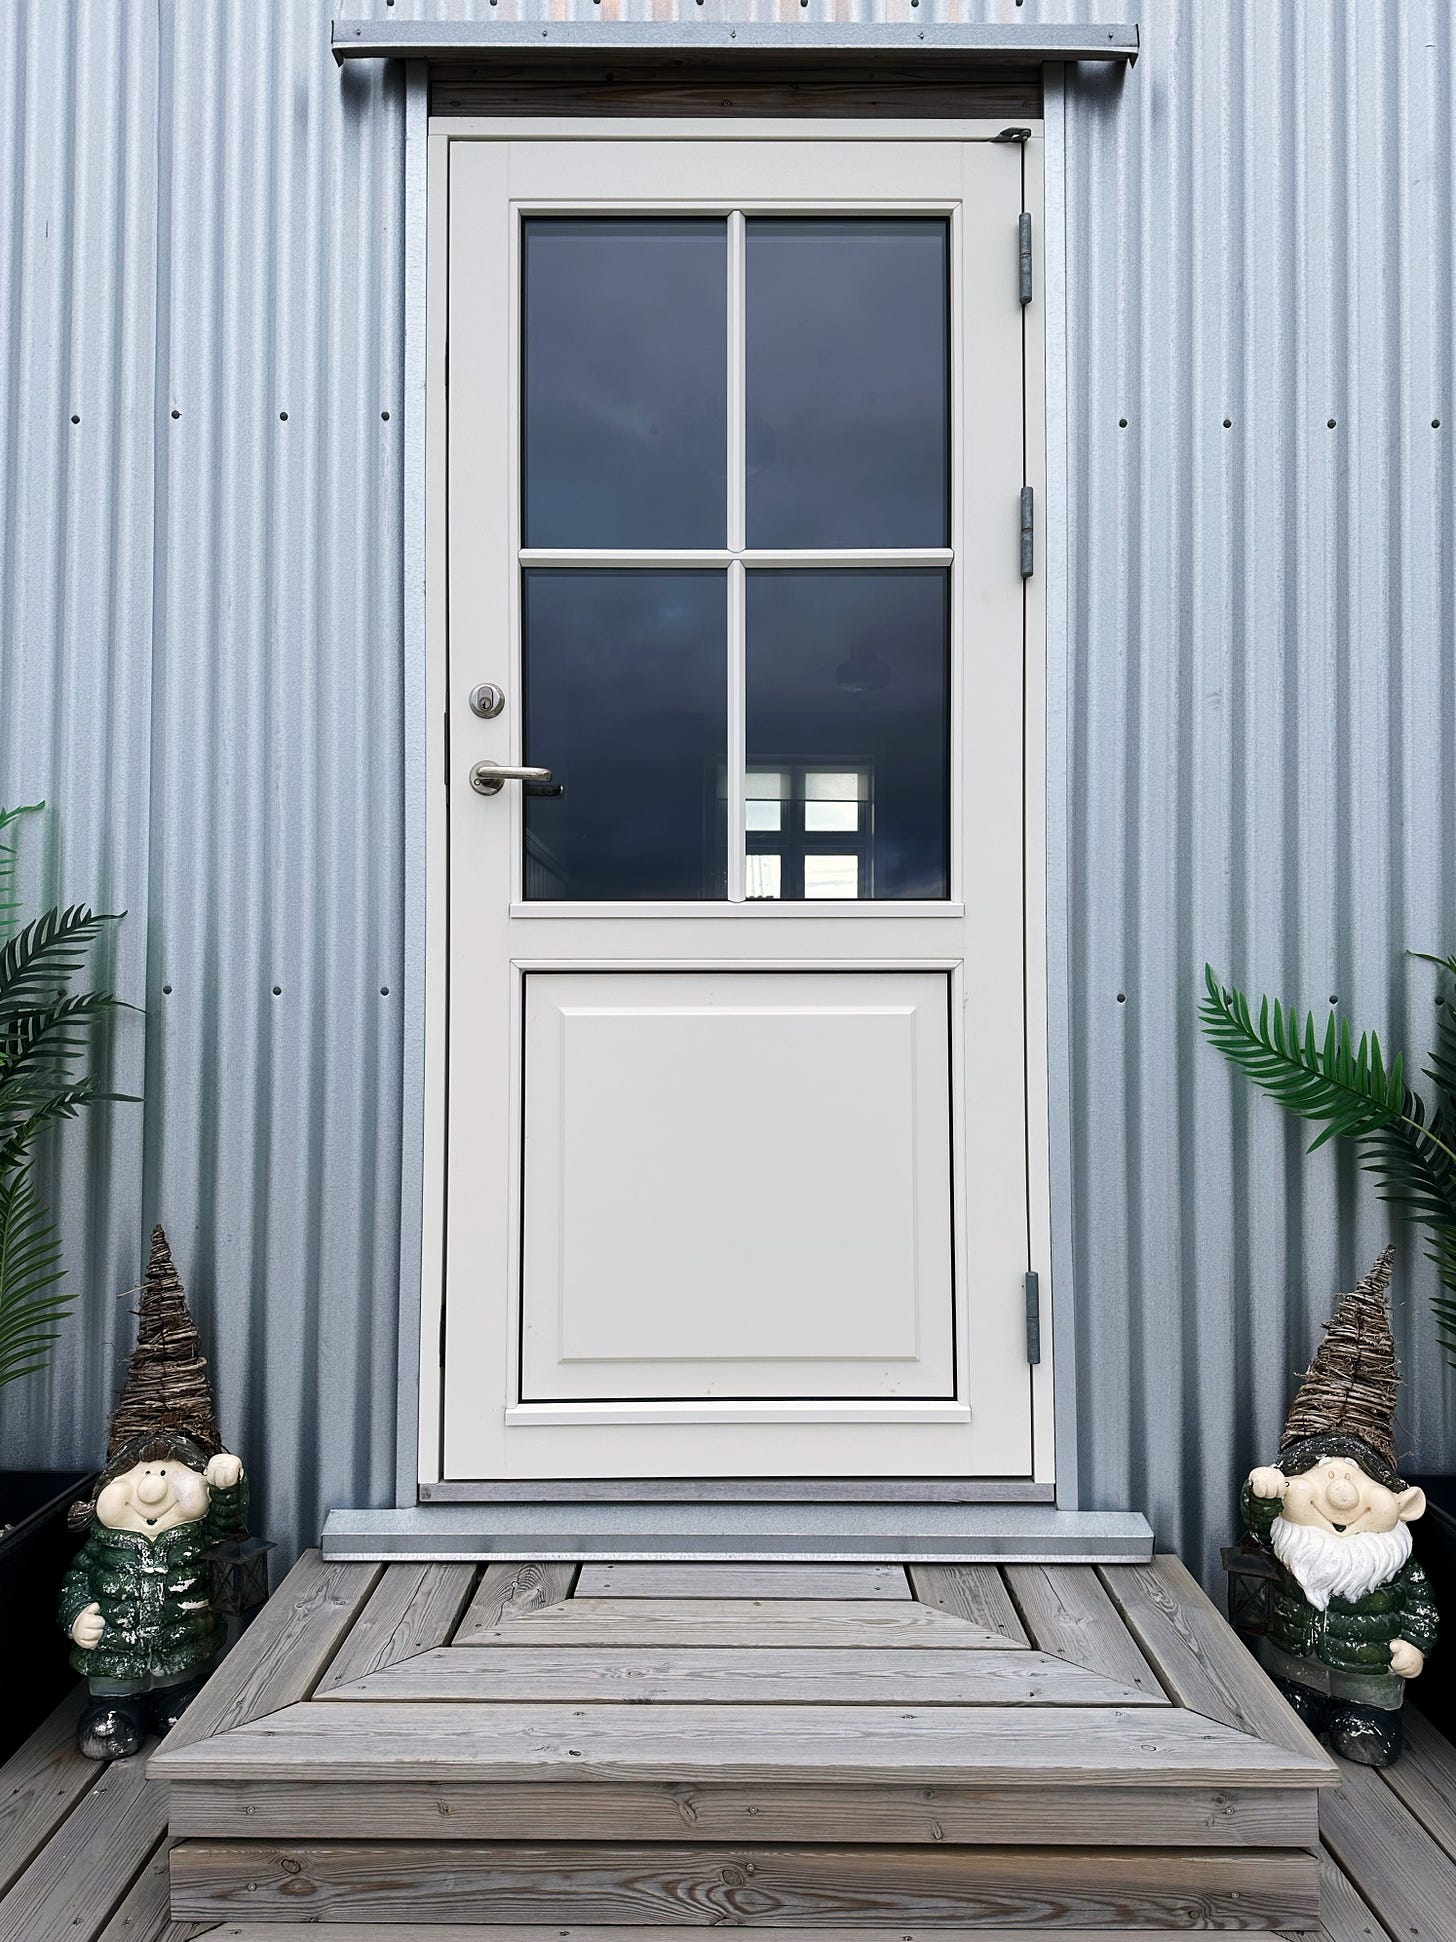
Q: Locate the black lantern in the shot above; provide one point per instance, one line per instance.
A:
(1252, 1576)
(237, 1576)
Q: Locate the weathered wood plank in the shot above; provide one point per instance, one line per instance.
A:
(144, 1913)
(412, 1609)
(39, 1785)
(679, 1886)
(790, 1622)
(1120, 1816)
(1395, 1864)
(509, 1591)
(1199, 1658)
(823, 1677)
(742, 1581)
(934, 1746)
(976, 1592)
(90, 1860)
(632, 1932)
(1344, 1916)
(1069, 1613)
(280, 1657)
(846, 90)
(1425, 1779)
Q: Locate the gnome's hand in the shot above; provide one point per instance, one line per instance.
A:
(87, 1627)
(1406, 1659)
(1267, 1481)
(223, 1471)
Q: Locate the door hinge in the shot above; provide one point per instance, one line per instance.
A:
(1028, 532)
(1023, 231)
(1031, 1287)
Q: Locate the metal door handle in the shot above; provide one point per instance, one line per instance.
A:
(488, 778)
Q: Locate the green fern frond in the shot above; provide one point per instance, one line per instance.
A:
(37, 963)
(30, 1269)
(9, 863)
(1346, 1091)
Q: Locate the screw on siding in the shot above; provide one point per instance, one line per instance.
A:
(278, 991)
(283, 415)
(1435, 424)
(176, 413)
(384, 991)
(1334, 998)
(1122, 424)
(1227, 424)
(75, 417)
(385, 416)
(167, 992)
(1330, 423)
(1122, 997)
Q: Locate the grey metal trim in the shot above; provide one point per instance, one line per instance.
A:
(742, 1490)
(1031, 1288)
(415, 408)
(1055, 513)
(961, 1534)
(357, 40)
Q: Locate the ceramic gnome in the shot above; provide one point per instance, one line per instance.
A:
(1353, 1617)
(134, 1602)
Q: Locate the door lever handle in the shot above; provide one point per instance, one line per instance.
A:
(488, 778)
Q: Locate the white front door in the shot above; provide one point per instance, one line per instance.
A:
(736, 1157)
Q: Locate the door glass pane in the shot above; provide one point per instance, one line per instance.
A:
(625, 381)
(848, 382)
(849, 700)
(626, 704)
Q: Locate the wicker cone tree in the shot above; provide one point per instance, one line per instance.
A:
(1353, 1383)
(167, 1390)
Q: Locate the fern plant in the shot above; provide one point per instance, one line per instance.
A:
(45, 1032)
(1347, 1090)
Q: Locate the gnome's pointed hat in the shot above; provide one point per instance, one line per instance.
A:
(1349, 1391)
(167, 1392)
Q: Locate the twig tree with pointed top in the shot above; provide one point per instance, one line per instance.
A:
(1353, 1384)
(167, 1388)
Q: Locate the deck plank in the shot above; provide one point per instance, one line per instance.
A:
(1424, 1777)
(742, 1581)
(1200, 1659)
(1344, 1915)
(944, 1745)
(42, 1782)
(747, 1676)
(775, 1622)
(1068, 1612)
(280, 1657)
(977, 1816)
(1405, 1876)
(88, 1864)
(682, 1886)
(633, 1932)
(145, 1915)
(413, 1608)
(975, 1592)
(510, 1591)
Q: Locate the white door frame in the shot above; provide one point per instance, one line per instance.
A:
(427, 1480)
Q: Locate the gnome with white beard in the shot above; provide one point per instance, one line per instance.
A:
(1353, 1617)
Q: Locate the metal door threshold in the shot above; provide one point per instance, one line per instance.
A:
(910, 1533)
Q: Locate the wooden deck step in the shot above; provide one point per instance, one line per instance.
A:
(954, 1748)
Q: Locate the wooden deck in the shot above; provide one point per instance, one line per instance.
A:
(511, 1754)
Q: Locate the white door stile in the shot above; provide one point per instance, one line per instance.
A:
(497, 938)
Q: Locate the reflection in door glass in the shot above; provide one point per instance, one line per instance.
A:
(626, 704)
(624, 352)
(848, 381)
(848, 785)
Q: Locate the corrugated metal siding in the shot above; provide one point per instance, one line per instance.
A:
(202, 654)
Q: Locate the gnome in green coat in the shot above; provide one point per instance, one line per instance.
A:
(1353, 1617)
(134, 1603)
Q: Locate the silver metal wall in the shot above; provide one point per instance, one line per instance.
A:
(201, 668)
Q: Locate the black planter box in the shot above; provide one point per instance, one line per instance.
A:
(34, 1554)
(1435, 1538)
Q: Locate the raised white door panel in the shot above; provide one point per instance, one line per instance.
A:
(737, 1186)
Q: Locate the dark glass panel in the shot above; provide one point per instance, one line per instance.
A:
(626, 704)
(848, 733)
(848, 382)
(625, 392)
